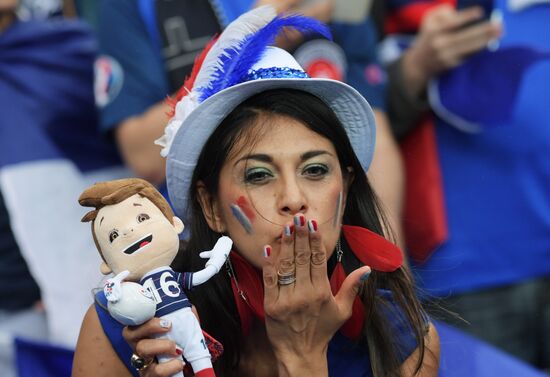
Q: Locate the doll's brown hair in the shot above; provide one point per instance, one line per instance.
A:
(112, 192)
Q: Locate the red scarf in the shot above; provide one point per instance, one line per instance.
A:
(370, 248)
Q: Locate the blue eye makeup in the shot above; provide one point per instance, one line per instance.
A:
(257, 175)
(316, 170)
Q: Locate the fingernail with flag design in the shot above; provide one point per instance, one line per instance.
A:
(267, 251)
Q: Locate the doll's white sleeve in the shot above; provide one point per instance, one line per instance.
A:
(216, 259)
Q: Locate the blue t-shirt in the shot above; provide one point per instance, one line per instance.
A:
(139, 76)
(497, 182)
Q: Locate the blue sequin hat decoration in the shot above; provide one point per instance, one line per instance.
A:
(239, 65)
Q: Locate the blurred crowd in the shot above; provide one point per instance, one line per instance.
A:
(461, 162)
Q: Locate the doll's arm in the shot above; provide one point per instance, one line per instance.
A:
(112, 288)
(216, 259)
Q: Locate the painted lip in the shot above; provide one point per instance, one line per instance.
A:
(139, 244)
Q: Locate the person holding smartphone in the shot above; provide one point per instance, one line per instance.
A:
(493, 267)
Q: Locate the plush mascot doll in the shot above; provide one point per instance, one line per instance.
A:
(136, 234)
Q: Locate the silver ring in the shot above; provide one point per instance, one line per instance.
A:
(286, 279)
(139, 362)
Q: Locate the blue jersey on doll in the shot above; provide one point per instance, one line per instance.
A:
(166, 285)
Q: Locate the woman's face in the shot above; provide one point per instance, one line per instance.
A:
(289, 169)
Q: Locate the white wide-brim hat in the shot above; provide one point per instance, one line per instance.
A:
(351, 108)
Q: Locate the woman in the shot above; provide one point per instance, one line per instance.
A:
(276, 161)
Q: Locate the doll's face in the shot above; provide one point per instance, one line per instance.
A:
(134, 235)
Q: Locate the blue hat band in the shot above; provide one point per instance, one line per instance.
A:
(275, 73)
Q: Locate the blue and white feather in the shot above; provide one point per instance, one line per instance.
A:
(236, 60)
(240, 46)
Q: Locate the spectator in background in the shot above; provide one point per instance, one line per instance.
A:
(493, 138)
(49, 151)
(21, 313)
(149, 48)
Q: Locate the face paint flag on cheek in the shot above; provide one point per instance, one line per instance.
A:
(241, 217)
(338, 210)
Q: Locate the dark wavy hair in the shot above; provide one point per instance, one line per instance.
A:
(214, 299)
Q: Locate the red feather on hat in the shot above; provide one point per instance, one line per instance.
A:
(190, 80)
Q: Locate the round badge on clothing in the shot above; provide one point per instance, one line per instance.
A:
(108, 80)
(321, 58)
(374, 74)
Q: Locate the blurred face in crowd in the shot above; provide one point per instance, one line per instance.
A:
(8, 5)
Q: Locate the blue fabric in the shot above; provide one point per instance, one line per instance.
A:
(347, 359)
(359, 42)
(496, 181)
(39, 58)
(463, 355)
(501, 72)
(34, 359)
(148, 14)
(124, 36)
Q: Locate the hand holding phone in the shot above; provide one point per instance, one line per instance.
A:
(447, 36)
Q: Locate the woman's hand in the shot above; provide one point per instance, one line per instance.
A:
(302, 316)
(444, 41)
(141, 340)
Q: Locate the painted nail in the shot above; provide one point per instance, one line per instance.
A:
(299, 220)
(288, 230)
(179, 351)
(267, 251)
(365, 276)
(312, 225)
(166, 323)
